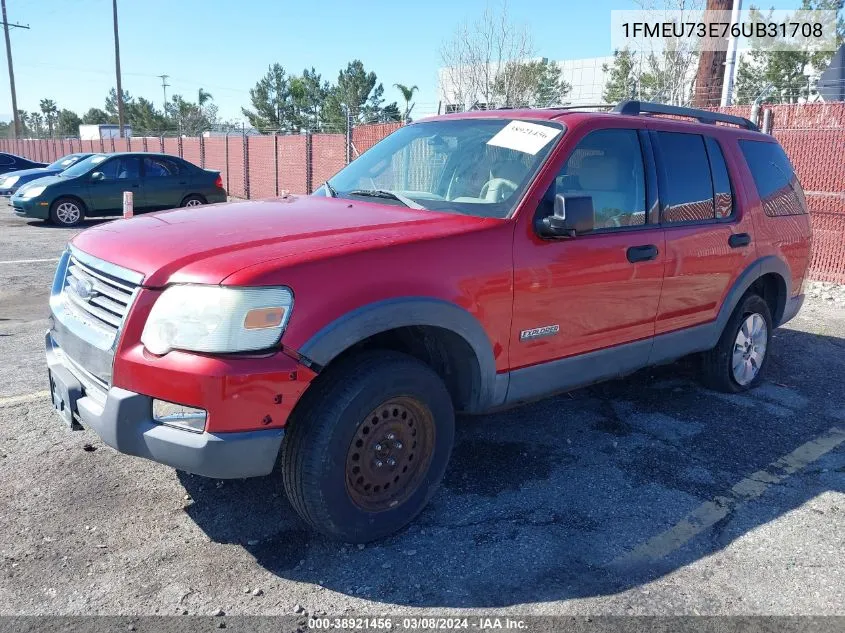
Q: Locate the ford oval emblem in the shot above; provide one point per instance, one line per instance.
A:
(83, 288)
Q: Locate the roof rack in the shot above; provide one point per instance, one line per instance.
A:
(703, 116)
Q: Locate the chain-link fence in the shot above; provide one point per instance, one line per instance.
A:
(262, 166)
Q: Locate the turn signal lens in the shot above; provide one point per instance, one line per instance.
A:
(261, 318)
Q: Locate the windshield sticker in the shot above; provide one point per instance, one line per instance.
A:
(528, 138)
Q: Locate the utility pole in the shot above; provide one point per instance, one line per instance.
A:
(164, 86)
(120, 118)
(711, 61)
(6, 26)
(730, 61)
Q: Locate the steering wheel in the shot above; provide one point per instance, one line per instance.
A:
(500, 188)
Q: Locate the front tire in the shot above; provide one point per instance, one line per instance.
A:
(737, 362)
(67, 212)
(368, 445)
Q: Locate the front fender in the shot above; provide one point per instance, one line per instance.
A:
(389, 314)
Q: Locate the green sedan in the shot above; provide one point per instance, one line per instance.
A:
(94, 187)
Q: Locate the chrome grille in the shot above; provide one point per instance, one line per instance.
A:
(97, 298)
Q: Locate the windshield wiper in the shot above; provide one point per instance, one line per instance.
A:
(384, 193)
(330, 190)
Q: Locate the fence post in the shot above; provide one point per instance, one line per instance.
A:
(144, 143)
(309, 163)
(128, 143)
(348, 138)
(246, 165)
(112, 145)
(227, 161)
(202, 151)
(180, 147)
(276, 160)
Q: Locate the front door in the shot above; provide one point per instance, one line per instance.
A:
(119, 174)
(601, 289)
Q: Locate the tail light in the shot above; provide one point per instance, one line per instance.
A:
(219, 182)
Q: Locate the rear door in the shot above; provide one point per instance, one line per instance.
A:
(165, 182)
(120, 173)
(709, 240)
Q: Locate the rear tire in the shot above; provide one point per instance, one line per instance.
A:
(193, 201)
(348, 458)
(67, 212)
(737, 362)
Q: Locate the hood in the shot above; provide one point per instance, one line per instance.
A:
(206, 244)
(31, 174)
(45, 181)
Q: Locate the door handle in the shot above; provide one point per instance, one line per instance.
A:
(642, 253)
(737, 240)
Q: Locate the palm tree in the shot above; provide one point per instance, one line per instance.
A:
(407, 95)
(48, 107)
(36, 119)
(203, 96)
(23, 116)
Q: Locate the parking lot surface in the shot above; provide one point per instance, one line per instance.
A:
(649, 495)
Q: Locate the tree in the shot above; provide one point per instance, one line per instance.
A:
(407, 95)
(359, 96)
(6, 129)
(112, 105)
(308, 94)
(95, 116)
(483, 62)
(68, 123)
(23, 117)
(789, 72)
(50, 112)
(269, 100)
(623, 79)
(191, 118)
(533, 83)
(143, 117)
(36, 120)
(203, 97)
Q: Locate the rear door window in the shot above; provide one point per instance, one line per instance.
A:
(776, 182)
(687, 187)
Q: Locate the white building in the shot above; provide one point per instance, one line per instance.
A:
(105, 130)
(586, 77)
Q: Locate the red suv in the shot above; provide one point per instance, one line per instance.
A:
(465, 263)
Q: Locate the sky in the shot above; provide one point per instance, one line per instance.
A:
(225, 47)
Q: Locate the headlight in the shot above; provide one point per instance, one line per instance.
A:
(32, 192)
(217, 319)
(10, 181)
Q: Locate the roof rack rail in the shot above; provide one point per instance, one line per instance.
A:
(703, 116)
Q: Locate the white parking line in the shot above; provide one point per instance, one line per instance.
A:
(30, 397)
(711, 512)
(30, 261)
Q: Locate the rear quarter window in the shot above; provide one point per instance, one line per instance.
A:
(776, 182)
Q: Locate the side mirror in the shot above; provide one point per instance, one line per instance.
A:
(97, 176)
(573, 216)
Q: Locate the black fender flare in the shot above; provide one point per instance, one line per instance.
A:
(758, 268)
(381, 316)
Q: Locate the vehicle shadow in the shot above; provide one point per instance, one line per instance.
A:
(564, 498)
(85, 224)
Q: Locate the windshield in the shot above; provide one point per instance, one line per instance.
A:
(476, 167)
(83, 166)
(66, 161)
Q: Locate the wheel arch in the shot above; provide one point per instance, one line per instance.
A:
(443, 335)
(69, 196)
(193, 195)
(770, 277)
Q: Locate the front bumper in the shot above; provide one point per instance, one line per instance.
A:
(123, 420)
(34, 208)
